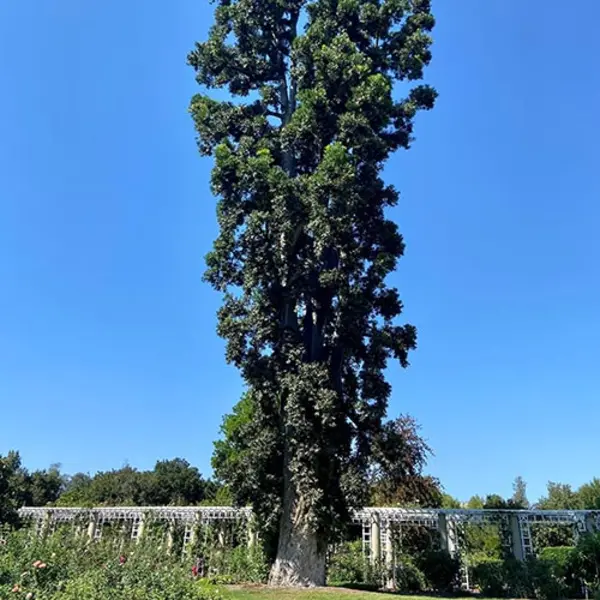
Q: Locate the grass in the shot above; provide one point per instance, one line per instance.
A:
(263, 593)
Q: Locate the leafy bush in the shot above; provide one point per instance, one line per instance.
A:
(552, 573)
(349, 565)
(560, 556)
(545, 577)
(488, 575)
(584, 561)
(64, 567)
(409, 578)
(238, 565)
(441, 570)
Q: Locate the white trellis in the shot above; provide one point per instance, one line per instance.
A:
(379, 525)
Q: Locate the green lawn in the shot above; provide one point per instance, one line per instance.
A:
(262, 593)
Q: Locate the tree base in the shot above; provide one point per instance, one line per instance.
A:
(299, 563)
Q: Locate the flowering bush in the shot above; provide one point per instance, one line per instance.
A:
(64, 567)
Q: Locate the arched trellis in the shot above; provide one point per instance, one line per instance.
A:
(379, 525)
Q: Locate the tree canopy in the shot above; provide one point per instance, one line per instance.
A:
(171, 482)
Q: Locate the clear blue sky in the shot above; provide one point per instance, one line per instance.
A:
(108, 351)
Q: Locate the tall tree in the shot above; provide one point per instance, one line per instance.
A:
(519, 497)
(305, 246)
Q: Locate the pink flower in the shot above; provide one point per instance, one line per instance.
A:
(16, 588)
(122, 559)
(37, 563)
(42, 566)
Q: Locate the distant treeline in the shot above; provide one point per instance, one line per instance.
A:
(171, 482)
(177, 482)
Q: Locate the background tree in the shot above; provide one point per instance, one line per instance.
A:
(449, 501)
(44, 487)
(176, 482)
(11, 479)
(305, 247)
(397, 468)
(77, 491)
(519, 497)
(475, 503)
(559, 496)
(589, 495)
(171, 482)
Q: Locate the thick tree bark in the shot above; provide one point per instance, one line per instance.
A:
(300, 560)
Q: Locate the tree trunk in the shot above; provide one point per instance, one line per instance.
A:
(300, 560)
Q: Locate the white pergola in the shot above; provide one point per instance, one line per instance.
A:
(378, 524)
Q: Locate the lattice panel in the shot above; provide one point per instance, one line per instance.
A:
(366, 539)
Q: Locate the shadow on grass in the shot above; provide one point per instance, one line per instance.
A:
(363, 587)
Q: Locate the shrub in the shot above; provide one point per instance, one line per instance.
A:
(409, 578)
(64, 567)
(553, 575)
(238, 565)
(349, 565)
(440, 569)
(546, 577)
(584, 561)
(488, 575)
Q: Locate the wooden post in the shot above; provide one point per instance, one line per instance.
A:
(251, 533)
(447, 534)
(516, 538)
(375, 539)
(45, 524)
(390, 561)
(141, 528)
(170, 536)
(91, 528)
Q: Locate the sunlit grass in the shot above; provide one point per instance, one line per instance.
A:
(264, 593)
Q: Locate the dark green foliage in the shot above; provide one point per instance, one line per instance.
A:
(10, 488)
(171, 482)
(585, 561)
(427, 569)
(441, 570)
(409, 578)
(489, 576)
(552, 575)
(305, 247)
(517, 579)
(503, 578)
(19, 487)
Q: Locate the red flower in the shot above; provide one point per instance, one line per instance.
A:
(195, 571)
(122, 559)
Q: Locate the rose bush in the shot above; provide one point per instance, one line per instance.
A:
(65, 567)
